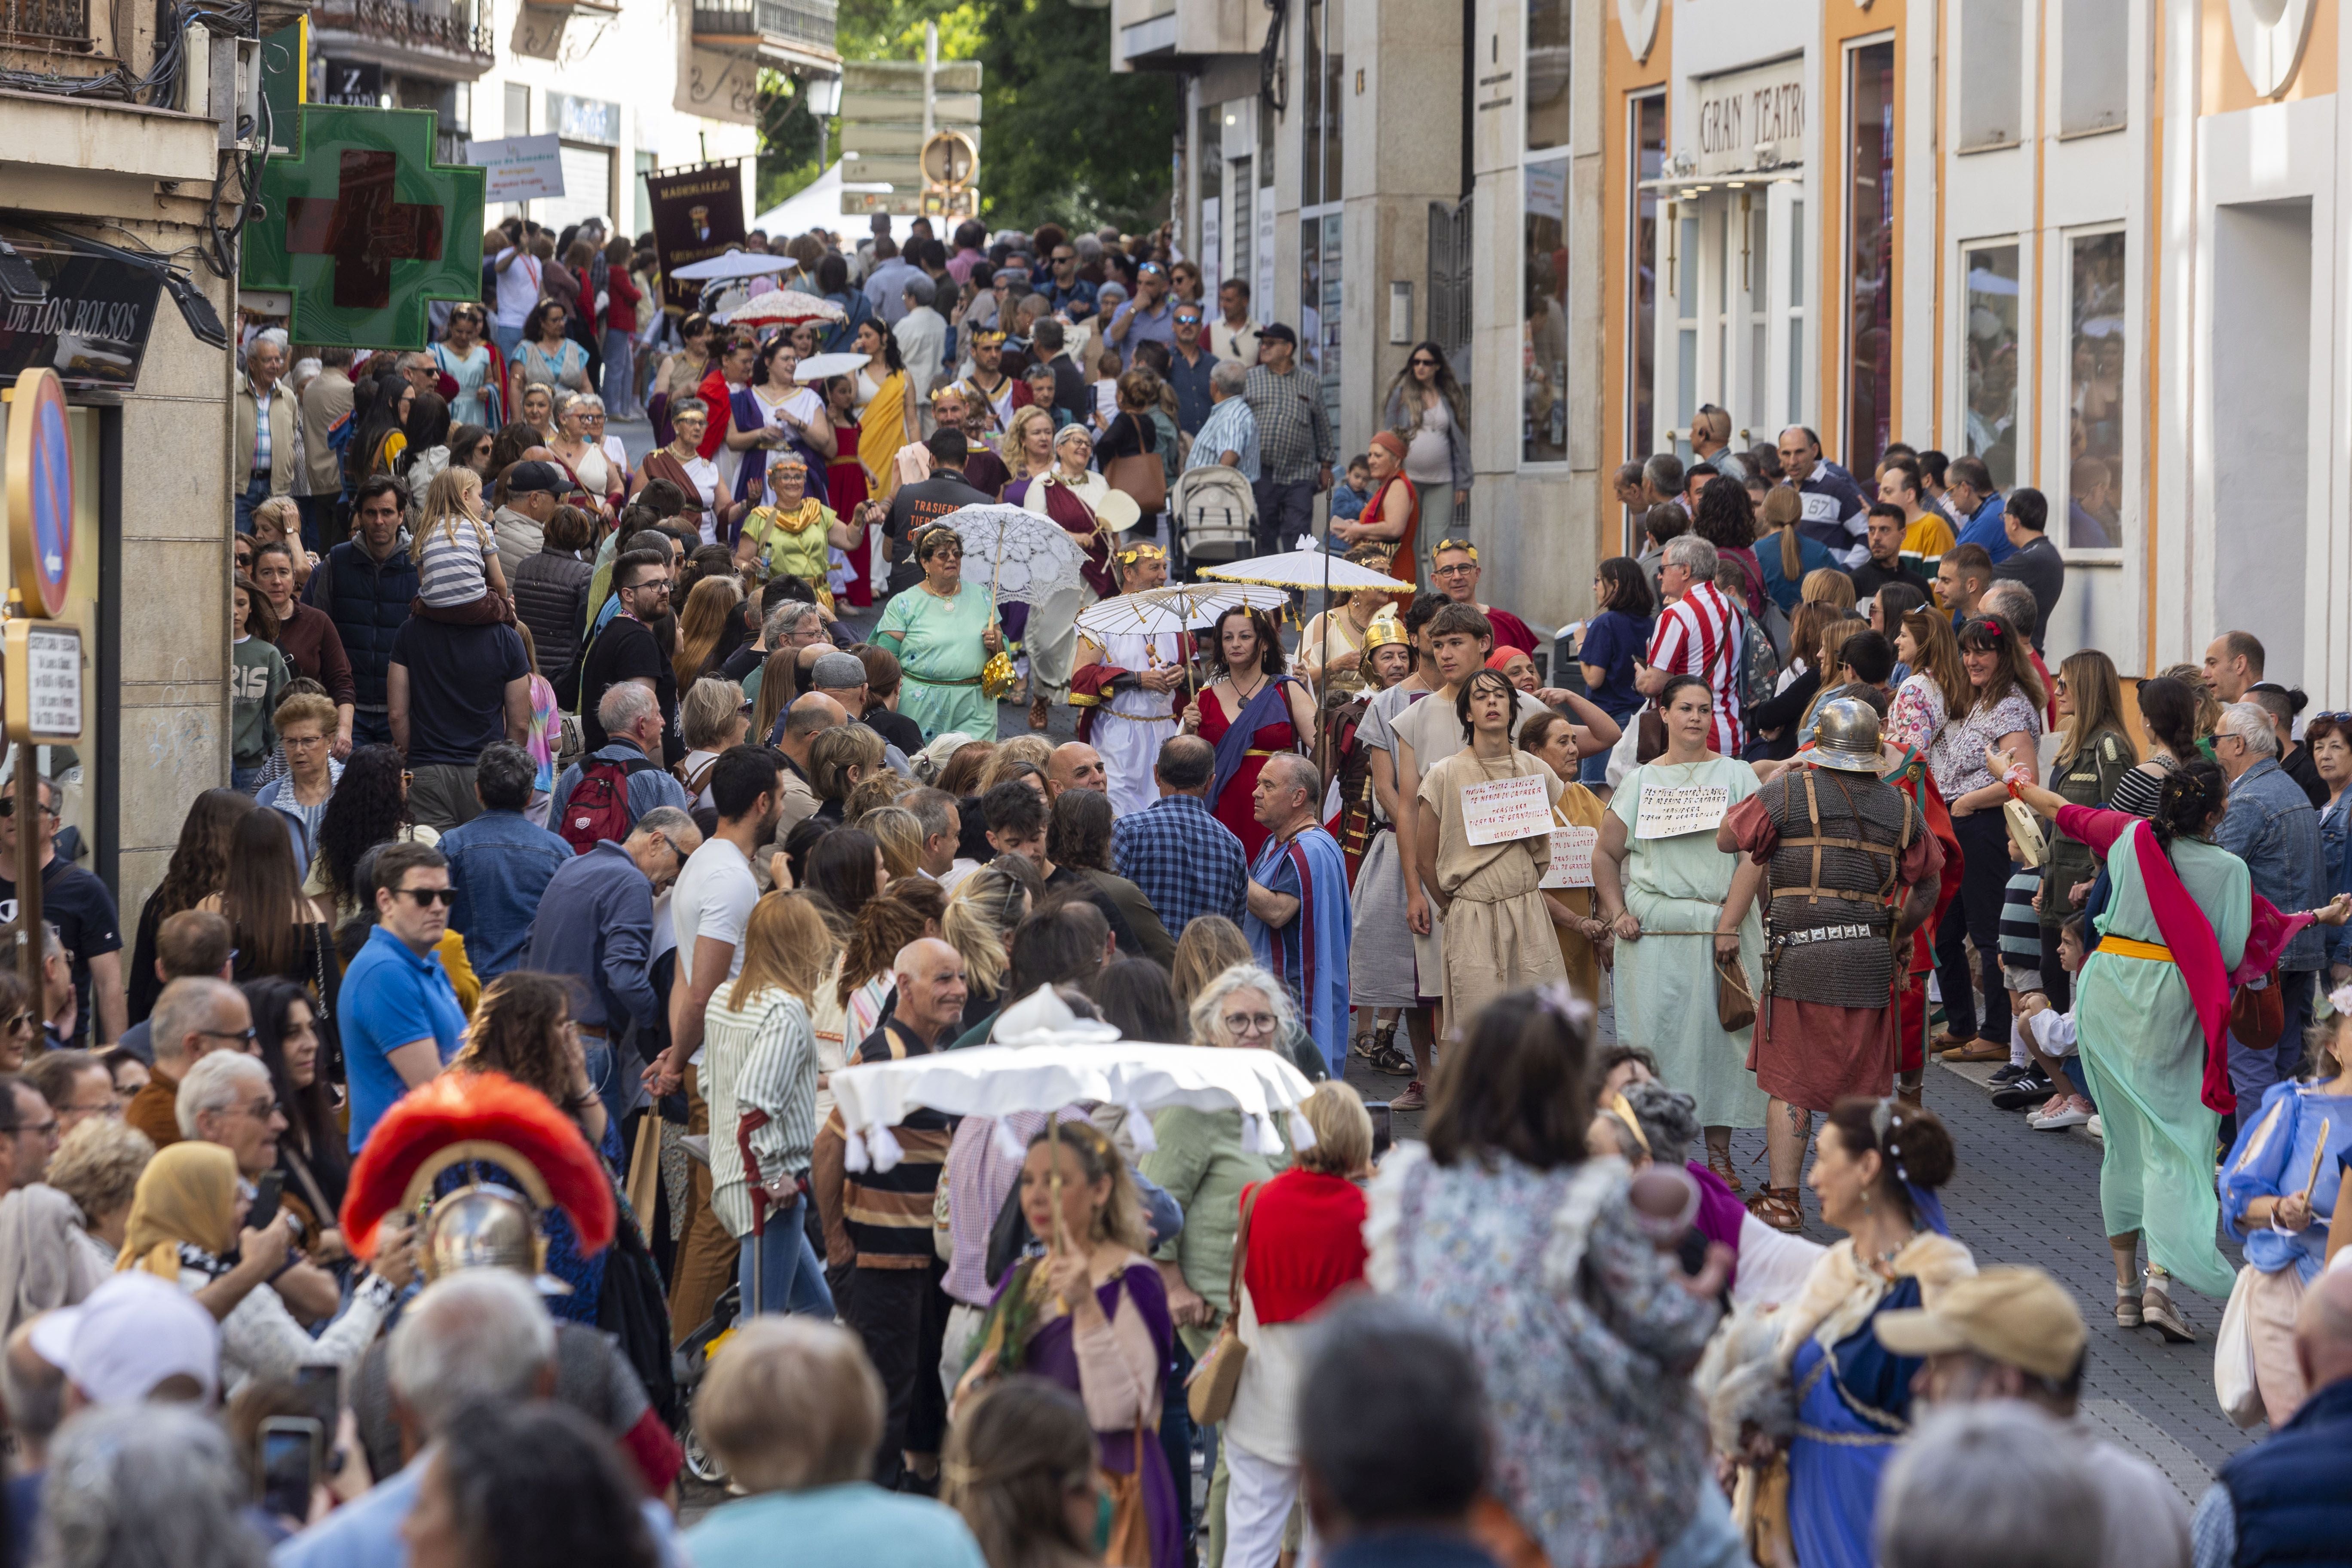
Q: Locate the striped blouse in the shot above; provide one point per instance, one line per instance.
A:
(762, 1057)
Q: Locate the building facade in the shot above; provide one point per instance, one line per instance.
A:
(2093, 242)
(627, 89)
(99, 197)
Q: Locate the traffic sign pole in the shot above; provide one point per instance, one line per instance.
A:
(40, 546)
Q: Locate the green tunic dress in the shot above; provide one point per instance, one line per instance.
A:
(1664, 986)
(938, 644)
(2144, 1053)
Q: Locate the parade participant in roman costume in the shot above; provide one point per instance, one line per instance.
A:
(1125, 689)
(793, 532)
(988, 386)
(1074, 498)
(1848, 871)
(1299, 921)
(1387, 659)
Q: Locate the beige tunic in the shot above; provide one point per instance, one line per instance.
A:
(1498, 935)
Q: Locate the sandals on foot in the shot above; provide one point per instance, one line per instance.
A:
(2128, 1308)
(1782, 1209)
(2156, 1310)
(1719, 1161)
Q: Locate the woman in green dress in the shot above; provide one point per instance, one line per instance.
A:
(944, 631)
(1661, 896)
(2150, 1051)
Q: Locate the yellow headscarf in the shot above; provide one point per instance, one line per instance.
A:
(187, 1193)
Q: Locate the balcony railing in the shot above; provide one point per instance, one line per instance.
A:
(46, 24)
(444, 26)
(807, 24)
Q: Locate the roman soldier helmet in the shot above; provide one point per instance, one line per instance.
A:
(1845, 736)
(1385, 628)
(481, 1119)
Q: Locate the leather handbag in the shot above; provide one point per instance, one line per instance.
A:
(1210, 1394)
(2258, 1013)
(1142, 476)
(1735, 1004)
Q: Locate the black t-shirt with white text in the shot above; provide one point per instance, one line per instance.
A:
(78, 905)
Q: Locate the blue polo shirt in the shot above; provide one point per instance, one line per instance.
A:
(391, 997)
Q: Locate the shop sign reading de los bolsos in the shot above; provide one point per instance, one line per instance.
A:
(91, 323)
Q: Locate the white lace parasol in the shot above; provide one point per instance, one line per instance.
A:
(1017, 555)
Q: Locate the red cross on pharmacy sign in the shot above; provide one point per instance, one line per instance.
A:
(363, 229)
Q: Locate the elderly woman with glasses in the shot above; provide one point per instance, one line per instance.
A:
(944, 631)
(1204, 1160)
(682, 464)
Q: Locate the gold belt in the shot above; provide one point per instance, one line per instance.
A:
(1254, 752)
(2130, 947)
(1148, 718)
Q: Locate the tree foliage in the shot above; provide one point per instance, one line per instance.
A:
(1062, 136)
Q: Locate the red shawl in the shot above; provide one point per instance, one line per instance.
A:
(2196, 950)
(1064, 506)
(1401, 547)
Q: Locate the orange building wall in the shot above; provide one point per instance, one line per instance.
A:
(2222, 83)
(1621, 76)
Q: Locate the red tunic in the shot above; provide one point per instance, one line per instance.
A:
(844, 478)
(1809, 1054)
(1235, 807)
(1510, 631)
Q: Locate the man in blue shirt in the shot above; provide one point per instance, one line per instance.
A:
(2271, 826)
(595, 930)
(1187, 862)
(400, 1020)
(1189, 364)
(500, 862)
(1977, 508)
(1069, 296)
(1835, 513)
(1145, 318)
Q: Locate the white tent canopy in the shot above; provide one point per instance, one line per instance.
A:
(816, 205)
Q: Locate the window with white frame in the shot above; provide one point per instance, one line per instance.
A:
(2095, 57)
(1992, 94)
(1543, 434)
(1989, 354)
(1647, 149)
(2097, 391)
(1319, 272)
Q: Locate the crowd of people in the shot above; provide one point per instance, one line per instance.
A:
(454, 1170)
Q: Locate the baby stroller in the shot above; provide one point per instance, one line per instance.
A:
(1215, 515)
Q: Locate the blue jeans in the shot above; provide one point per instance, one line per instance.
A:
(2251, 1071)
(246, 780)
(509, 338)
(790, 1278)
(608, 1084)
(620, 374)
(255, 491)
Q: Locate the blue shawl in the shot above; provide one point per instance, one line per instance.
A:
(1308, 955)
(1260, 711)
(752, 478)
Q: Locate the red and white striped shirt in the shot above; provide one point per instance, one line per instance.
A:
(1699, 635)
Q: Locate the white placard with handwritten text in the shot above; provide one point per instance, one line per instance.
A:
(1669, 813)
(1571, 857)
(1502, 809)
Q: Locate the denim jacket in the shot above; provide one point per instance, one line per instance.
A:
(500, 863)
(2271, 826)
(2334, 841)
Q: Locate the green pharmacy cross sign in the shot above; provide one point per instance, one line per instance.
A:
(363, 229)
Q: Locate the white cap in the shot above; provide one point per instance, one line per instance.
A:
(132, 1333)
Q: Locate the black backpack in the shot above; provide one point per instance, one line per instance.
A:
(633, 1308)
